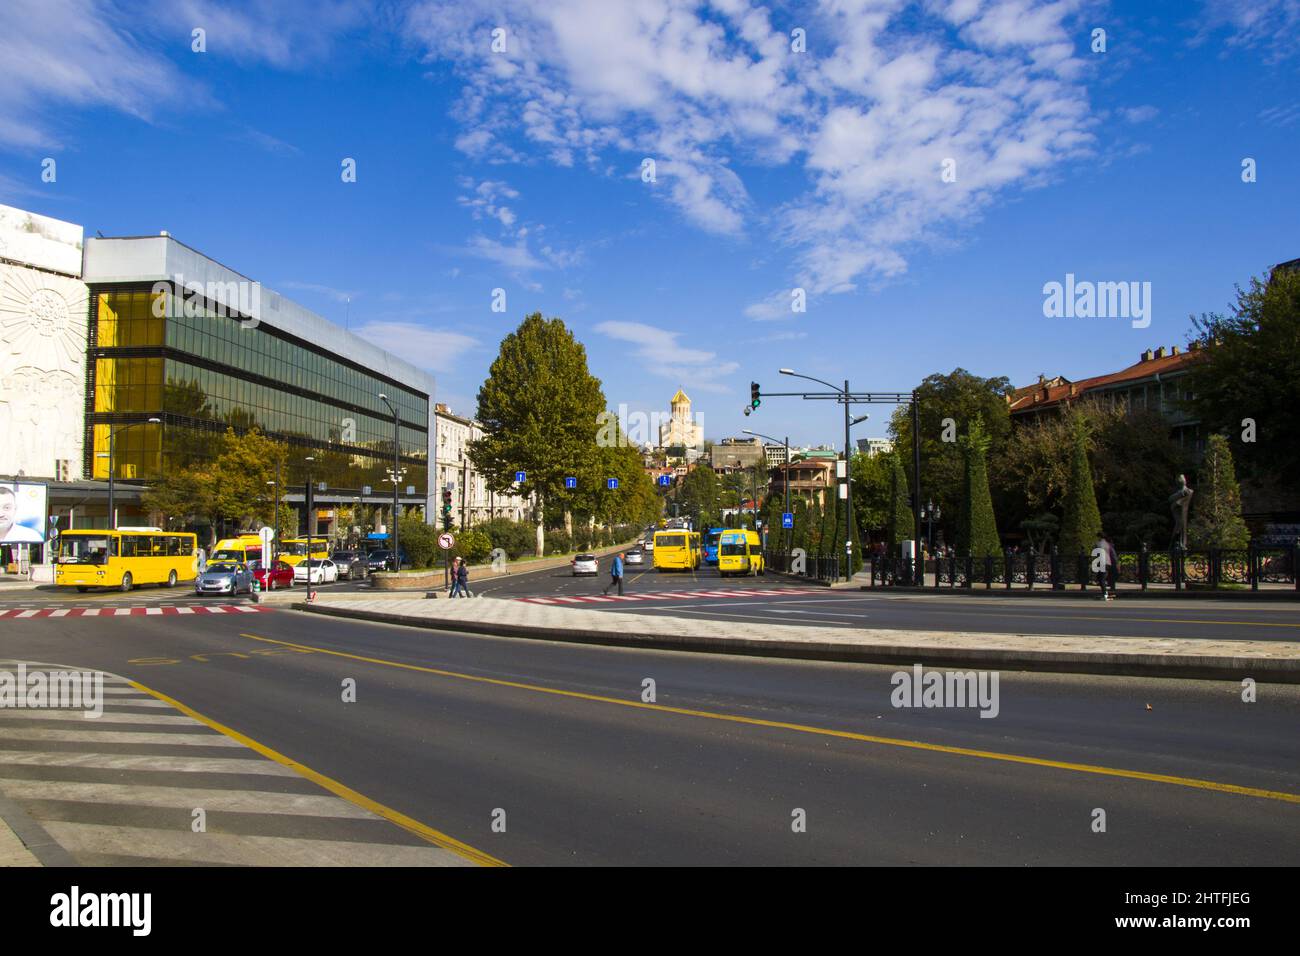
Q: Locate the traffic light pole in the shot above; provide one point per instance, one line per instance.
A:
(848, 397)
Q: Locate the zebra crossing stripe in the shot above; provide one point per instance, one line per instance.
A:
(134, 611)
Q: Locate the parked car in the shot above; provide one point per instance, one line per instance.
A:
(224, 577)
(351, 564)
(322, 572)
(382, 560)
(635, 556)
(279, 575)
(585, 564)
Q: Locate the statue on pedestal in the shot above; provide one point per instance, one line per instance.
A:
(1179, 502)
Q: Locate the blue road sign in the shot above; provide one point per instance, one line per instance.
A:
(521, 476)
(787, 519)
(611, 483)
(665, 480)
(570, 482)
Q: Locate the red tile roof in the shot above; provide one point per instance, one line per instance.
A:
(1052, 391)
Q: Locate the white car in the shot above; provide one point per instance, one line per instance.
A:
(635, 556)
(585, 564)
(322, 572)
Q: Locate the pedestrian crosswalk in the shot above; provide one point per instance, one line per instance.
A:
(146, 785)
(668, 595)
(164, 610)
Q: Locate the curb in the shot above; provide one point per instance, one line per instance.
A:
(1091, 594)
(1274, 670)
(33, 836)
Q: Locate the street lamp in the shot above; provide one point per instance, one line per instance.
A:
(112, 448)
(397, 476)
(848, 455)
(930, 513)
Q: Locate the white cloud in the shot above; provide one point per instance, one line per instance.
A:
(287, 34)
(662, 355)
(1269, 26)
(889, 90)
(435, 349)
(1140, 114)
(72, 53)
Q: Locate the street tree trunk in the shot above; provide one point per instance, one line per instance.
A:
(541, 525)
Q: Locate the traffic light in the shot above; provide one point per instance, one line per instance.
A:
(446, 509)
(755, 399)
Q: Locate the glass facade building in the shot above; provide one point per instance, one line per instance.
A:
(157, 351)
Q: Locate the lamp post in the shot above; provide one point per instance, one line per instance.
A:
(785, 441)
(307, 507)
(930, 513)
(397, 554)
(848, 455)
(112, 449)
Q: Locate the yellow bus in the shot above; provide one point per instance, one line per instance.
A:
(293, 551)
(740, 552)
(676, 550)
(242, 548)
(95, 558)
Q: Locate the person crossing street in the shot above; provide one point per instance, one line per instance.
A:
(615, 575)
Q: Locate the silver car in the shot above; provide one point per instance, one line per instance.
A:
(224, 577)
(585, 564)
(635, 556)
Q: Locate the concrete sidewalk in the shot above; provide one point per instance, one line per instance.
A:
(1159, 657)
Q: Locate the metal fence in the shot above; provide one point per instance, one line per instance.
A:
(1213, 568)
(816, 567)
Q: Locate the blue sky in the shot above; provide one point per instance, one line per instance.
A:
(775, 170)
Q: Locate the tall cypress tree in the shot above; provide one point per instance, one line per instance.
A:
(1082, 521)
(1216, 510)
(977, 532)
(901, 520)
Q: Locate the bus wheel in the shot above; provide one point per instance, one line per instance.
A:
(126, 582)
(171, 579)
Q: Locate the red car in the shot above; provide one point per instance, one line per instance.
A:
(280, 575)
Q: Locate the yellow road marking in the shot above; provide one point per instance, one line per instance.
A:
(436, 837)
(820, 731)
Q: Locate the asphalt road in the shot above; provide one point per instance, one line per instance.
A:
(449, 729)
(700, 594)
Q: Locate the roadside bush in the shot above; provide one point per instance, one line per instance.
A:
(515, 538)
(474, 546)
(418, 540)
(558, 542)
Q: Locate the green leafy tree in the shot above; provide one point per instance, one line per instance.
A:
(1081, 523)
(977, 531)
(962, 397)
(541, 410)
(697, 494)
(1216, 509)
(1248, 370)
(872, 494)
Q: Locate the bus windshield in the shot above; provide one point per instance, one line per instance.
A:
(83, 549)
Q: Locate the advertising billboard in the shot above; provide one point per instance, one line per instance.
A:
(23, 507)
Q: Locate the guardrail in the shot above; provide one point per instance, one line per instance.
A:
(1196, 568)
(817, 567)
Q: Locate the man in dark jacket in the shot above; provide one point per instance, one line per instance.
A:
(462, 579)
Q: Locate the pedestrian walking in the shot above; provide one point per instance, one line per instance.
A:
(455, 578)
(1112, 565)
(462, 579)
(1101, 554)
(615, 574)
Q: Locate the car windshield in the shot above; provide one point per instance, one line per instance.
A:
(380, 555)
(222, 567)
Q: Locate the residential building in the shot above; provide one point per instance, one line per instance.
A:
(812, 479)
(737, 454)
(875, 446)
(774, 455)
(471, 501)
(1155, 381)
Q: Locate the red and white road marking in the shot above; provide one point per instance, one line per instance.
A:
(165, 610)
(669, 595)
